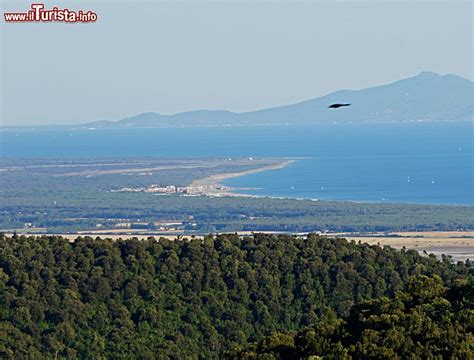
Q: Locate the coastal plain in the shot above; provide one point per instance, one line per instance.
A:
(141, 197)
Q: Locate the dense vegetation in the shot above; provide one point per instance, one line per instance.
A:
(98, 299)
(38, 193)
(69, 210)
(427, 321)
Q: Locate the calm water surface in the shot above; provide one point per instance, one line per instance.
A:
(413, 162)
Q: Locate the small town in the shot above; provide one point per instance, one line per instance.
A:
(184, 190)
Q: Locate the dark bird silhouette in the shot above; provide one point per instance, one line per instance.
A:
(337, 106)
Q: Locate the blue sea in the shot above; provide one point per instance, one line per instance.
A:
(426, 163)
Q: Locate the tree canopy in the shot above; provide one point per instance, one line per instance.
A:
(427, 321)
(200, 298)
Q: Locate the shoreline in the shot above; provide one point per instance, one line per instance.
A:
(212, 186)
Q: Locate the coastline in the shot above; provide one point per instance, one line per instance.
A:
(212, 185)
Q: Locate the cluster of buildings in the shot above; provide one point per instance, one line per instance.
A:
(172, 189)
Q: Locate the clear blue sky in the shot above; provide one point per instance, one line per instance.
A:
(175, 56)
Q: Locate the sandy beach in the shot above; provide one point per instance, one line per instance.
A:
(212, 184)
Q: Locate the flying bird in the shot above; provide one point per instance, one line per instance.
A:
(337, 106)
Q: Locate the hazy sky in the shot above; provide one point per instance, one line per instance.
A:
(175, 56)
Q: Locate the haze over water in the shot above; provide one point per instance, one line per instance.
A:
(430, 163)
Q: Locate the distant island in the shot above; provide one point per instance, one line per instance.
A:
(427, 96)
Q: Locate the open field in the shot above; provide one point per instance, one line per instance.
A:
(458, 244)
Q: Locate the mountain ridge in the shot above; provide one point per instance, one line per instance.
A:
(427, 96)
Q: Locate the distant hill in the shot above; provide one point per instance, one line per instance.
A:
(425, 97)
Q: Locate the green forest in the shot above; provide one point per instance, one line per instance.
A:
(40, 195)
(427, 321)
(262, 296)
(70, 211)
